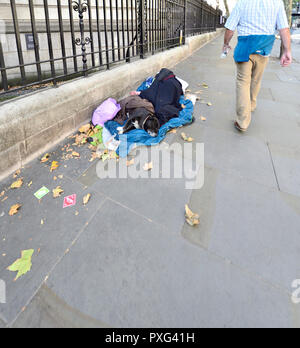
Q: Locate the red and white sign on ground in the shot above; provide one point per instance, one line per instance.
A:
(69, 201)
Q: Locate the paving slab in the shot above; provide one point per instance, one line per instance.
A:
(250, 224)
(161, 199)
(287, 167)
(147, 277)
(40, 225)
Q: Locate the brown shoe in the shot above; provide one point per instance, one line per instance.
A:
(239, 128)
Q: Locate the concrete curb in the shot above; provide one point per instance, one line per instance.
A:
(33, 124)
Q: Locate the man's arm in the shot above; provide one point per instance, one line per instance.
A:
(227, 38)
(286, 58)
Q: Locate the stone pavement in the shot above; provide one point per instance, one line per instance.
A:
(127, 259)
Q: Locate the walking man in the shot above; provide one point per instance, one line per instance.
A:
(256, 22)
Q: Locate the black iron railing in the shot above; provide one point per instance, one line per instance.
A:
(53, 40)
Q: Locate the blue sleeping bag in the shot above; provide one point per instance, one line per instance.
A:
(139, 137)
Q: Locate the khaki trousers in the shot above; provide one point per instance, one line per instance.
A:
(249, 78)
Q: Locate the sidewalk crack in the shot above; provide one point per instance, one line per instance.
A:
(273, 165)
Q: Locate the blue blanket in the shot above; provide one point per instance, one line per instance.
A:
(139, 137)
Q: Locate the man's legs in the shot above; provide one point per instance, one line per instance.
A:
(259, 65)
(249, 78)
(243, 91)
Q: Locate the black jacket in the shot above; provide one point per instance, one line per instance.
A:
(164, 94)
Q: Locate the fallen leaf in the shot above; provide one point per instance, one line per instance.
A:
(173, 131)
(186, 138)
(55, 178)
(54, 166)
(2, 193)
(203, 118)
(17, 184)
(75, 154)
(14, 209)
(76, 213)
(45, 158)
(148, 166)
(29, 184)
(86, 199)
(85, 128)
(22, 265)
(42, 222)
(4, 199)
(191, 218)
(57, 192)
(209, 104)
(130, 163)
(17, 173)
(205, 85)
(60, 176)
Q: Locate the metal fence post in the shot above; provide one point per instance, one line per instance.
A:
(142, 27)
(81, 8)
(185, 22)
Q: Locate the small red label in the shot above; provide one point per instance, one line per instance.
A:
(69, 201)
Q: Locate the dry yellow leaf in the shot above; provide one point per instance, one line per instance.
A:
(86, 199)
(17, 184)
(45, 158)
(54, 166)
(14, 209)
(2, 193)
(4, 199)
(205, 85)
(130, 163)
(191, 218)
(75, 154)
(17, 173)
(57, 192)
(186, 138)
(29, 184)
(85, 128)
(203, 118)
(209, 104)
(148, 166)
(42, 222)
(173, 131)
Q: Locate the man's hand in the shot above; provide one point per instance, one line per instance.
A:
(286, 59)
(226, 48)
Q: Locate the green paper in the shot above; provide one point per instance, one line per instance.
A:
(41, 193)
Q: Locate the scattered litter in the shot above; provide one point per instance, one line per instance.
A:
(42, 222)
(29, 184)
(2, 214)
(203, 118)
(191, 218)
(22, 265)
(2, 194)
(209, 104)
(70, 201)
(42, 192)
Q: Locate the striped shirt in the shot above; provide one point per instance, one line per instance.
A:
(258, 17)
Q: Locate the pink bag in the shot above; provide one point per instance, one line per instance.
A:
(105, 112)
